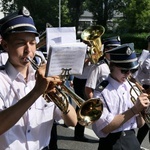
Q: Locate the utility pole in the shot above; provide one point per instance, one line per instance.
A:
(59, 13)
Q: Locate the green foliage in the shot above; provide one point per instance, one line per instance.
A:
(44, 11)
(76, 8)
(136, 15)
(102, 10)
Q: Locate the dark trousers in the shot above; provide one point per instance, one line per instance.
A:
(53, 141)
(79, 88)
(142, 132)
(120, 141)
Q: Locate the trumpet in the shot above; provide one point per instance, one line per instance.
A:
(62, 97)
(89, 111)
(138, 89)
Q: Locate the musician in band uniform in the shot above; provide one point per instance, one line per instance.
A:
(120, 116)
(26, 118)
(100, 71)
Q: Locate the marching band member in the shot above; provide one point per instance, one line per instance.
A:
(79, 86)
(100, 71)
(120, 116)
(26, 118)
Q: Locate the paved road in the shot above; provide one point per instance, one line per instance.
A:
(67, 142)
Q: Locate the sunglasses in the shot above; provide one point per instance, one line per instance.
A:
(127, 71)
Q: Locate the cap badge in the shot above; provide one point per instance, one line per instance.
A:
(128, 51)
(25, 12)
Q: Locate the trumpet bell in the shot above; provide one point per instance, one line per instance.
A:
(90, 111)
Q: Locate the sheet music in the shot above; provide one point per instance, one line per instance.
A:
(67, 56)
(141, 59)
(143, 56)
(59, 35)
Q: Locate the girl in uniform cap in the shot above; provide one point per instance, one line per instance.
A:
(120, 116)
(98, 72)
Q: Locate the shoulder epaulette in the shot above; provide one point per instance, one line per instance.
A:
(100, 62)
(102, 85)
(2, 67)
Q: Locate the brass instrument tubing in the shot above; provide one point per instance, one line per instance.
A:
(35, 66)
(133, 88)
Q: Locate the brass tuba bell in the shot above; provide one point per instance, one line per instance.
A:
(92, 36)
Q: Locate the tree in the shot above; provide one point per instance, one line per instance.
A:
(48, 11)
(8, 6)
(42, 11)
(76, 8)
(103, 10)
(45, 11)
(136, 16)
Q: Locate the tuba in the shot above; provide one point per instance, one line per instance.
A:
(137, 89)
(92, 36)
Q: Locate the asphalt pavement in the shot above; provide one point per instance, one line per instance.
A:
(66, 139)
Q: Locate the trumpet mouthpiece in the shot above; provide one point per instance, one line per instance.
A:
(28, 59)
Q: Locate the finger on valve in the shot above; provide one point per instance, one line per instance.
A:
(53, 82)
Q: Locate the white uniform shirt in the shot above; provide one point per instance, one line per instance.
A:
(97, 74)
(85, 72)
(116, 99)
(32, 131)
(3, 58)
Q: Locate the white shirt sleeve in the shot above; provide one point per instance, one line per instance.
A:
(97, 75)
(104, 119)
(92, 77)
(2, 106)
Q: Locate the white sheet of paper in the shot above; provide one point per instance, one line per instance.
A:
(59, 35)
(143, 56)
(69, 55)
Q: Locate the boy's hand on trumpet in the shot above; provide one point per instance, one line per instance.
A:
(45, 84)
(142, 103)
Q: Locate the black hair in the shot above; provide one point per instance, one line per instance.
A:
(111, 66)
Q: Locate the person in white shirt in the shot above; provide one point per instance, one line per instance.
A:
(26, 118)
(120, 116)
(79, 86)
(100, 71)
